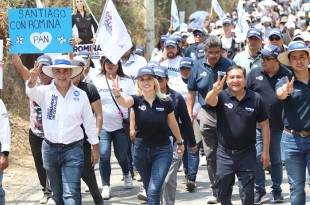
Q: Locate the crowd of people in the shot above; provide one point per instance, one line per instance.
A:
(243, 104)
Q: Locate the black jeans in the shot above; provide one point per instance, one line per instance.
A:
(36, 145)
(89, 177)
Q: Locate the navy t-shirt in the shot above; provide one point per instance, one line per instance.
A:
(151, 122)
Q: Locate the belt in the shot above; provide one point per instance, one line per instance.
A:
(301, 133)
(236, 152)
(61, 145)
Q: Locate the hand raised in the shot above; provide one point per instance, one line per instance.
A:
(34, 72)
(219, 84)
(115, 88)
(288, 86)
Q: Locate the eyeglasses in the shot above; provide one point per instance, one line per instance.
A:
(267, 59)
(159, 79)
(271, 38)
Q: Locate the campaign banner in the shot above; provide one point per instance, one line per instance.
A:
(40, 30)
(82, 49)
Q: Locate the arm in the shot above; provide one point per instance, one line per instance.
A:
(132, 124)
(97, 108)
(286, 89)
(5, 136)
(265, 158)
(172, 123)
(212, 98)
(33, 92)
(126, 102)
(191, 97)
(19, 67)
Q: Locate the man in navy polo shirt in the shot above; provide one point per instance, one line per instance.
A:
(238, 110)
(199, 37)
(263, 81)
(201, 79)
(276, 38)
(295, 93)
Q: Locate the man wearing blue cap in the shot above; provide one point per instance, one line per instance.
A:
(276, 38)
(199, 37)
(140, 51)
(263, 81)
(295, 92)
(249, 58)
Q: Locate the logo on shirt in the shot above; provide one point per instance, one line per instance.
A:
(143, 107)
(229, 105)
(249, 109)
(51, 110)
(204, 74)
(160, 109)
(259, 78)
(76, 93)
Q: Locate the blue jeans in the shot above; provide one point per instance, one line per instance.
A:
(153, 165)
(275, 161)
(191, 161)
(64, 167)
(296, 150)
(120, 144)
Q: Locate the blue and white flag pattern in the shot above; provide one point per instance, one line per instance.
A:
(174, 16)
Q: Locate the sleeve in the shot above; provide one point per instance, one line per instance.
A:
(186, 122)
(73, 20)
(262, 111)
(94, 23)
(5, 131)
(191, 83)
(89, 122)
(94, 94)
(169, 106)
(36, 93)
(249, 81)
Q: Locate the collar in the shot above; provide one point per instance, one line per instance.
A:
(216, 65)
(231, 96)
(132, 58)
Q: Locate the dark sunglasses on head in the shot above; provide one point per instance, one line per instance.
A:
(271, 38)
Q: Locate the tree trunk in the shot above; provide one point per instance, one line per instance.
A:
(149, 28)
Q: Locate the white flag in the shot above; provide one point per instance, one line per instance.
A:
(39, 4)
(242, 26)
(218, 9)
(112, 35)
(174, 16)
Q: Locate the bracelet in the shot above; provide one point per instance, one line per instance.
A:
(117, 96)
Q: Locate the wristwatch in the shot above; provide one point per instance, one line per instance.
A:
(180, 143)
(5, 153)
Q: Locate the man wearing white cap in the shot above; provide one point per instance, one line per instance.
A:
(295, 92)
(290, 27)
(64, 108)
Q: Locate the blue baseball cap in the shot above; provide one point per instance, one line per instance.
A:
(276, 32)
(199, 30)
(161, 71)
(227, 21)
(171, 41)
(44, 60)
(270, 50)
(200, 51)
(163, 38)
(139, 50)
(153, 63)
(186, 62)
(178, 37)
(292, 46)
(146, 70)
(254, 32)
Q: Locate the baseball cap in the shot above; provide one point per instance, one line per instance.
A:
(292, 46)
(276, 32)
(171, 41)
(44, 60)
(290, 25)
(270, 50)
(186, 62)
(146, 70)
(163, 37)
(153, 63)
(160, 71)
(200, 30)
(227, 21)
(254, 32)
(140, 50)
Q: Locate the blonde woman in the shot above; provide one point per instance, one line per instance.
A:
(154, 117)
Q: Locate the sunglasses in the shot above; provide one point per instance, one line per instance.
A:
(272, 38)
(267, 59)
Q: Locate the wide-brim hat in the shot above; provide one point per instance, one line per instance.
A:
(292, 46)
(62, 61)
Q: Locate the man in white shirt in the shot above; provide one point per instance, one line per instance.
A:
(64, 108)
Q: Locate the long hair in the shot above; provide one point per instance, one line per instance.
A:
(164, 57)
(158, 93)
(85, 7)
(119, 71)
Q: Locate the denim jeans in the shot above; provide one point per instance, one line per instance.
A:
(120, 143)
(296, 151)
(153, 165)
(64, 166)
(191, 161)
(275, 161)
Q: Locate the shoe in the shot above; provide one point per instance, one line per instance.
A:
(258, 197)
(106, 192)
(142, 195)
(51, 201)
(128, 181)
(45, 198)
(212, 200)
(184, 181)
(137, 176)
(191, 185)
(86, 189)
(277, 197)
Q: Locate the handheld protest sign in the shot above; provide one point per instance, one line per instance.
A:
(40, 30)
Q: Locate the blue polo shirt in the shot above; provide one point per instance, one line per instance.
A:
(296, 112)
(259, 81)
(203, 76)
(236, 120)
(151, 122)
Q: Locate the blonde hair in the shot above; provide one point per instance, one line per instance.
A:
(85, 7)
(158, 93)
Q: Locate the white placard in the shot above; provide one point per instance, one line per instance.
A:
(1, 59)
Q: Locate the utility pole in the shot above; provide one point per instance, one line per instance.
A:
(149, 27)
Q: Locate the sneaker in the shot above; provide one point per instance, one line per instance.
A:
(86, 189)
(51, 201)
(45, 198)
(128, 181)
(191, 185)
(184, 181)
(212, 200)
(258, 197)
(142, 195)
(137, 176)
(106, 192)
(277, 197)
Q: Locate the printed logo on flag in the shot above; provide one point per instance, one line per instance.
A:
(108, 22)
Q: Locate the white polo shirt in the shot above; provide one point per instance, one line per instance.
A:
(5, 131)
(62, 116)
(132, 66)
